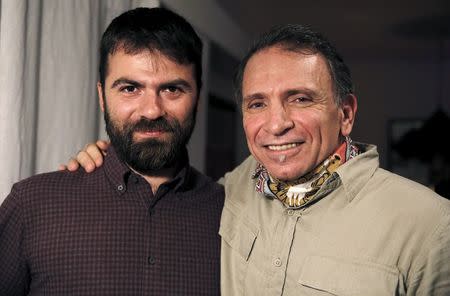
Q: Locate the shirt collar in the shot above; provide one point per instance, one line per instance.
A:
(356, 172)
(182, 178)
(118, 173)
(310, 187)
(353, 174)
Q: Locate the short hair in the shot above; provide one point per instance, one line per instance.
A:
(301, 39)
(152, 29)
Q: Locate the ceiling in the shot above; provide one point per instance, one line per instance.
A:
(385, 29)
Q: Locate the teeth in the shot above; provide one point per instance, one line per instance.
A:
(282, 147)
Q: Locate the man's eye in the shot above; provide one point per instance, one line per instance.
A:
(172, 89)
(172, 92)
(128, 89)
(302, 100)
(255, 105)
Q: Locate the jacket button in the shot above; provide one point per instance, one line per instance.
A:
(277, 262)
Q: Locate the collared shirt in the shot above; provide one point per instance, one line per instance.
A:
(371, 233)
(106, 233)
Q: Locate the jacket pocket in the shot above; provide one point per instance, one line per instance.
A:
(238, 240)
(349, 277)
(238, 233)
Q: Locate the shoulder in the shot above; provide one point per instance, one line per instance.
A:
(400, 204)
(242, 173)
(47, 186)
(60, 178)
(34, 195)
(364, 181)
(418, 214)
(407, 193)
(239, 185)
(407, 206)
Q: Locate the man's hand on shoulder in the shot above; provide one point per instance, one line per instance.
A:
(89, 158)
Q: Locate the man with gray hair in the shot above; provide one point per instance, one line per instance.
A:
(310, 212)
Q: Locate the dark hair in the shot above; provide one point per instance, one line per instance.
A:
(302, 39)
(153, 29)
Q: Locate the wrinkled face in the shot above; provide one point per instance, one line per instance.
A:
(290, 117)
(149, 103)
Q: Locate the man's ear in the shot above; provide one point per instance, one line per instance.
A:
(348, 107)
(101, 99)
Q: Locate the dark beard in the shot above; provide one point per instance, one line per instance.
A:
(148, 156)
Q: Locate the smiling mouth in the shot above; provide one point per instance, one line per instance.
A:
(282, 147)
(149, 134)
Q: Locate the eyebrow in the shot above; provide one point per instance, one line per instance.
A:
(177, 82)
(296, 91)
(121, 81)
(254, 96)
(286, 93)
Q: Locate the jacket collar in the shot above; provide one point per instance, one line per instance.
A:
(355, 173)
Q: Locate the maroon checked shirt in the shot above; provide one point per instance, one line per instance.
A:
(105, 233)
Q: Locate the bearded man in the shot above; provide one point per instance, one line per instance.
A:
(146, 222)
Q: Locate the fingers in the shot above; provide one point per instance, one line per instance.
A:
(91, 156)
(72, 165)
(85, 161)
(103, 145)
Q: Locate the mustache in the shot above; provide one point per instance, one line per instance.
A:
(145, 125)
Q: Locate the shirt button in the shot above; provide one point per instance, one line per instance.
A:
(151, 260)
(290, 212)
(277, 262)
(120, 187)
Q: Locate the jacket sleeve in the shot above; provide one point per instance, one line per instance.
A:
(14, 276)
(432, 275)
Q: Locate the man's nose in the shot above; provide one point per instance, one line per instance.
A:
(151, 106)
(279, 121)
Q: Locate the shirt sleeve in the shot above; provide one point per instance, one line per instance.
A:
(14, 277)
(432, 277)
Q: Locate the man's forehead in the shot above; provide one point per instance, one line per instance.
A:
(277, 66)
(267, 56)
(150, 60)
(154, 56)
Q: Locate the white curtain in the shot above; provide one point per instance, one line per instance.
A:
(48, 73)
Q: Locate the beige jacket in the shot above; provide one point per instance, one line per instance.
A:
(375, 234)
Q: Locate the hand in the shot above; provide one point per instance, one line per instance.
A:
(90, 158)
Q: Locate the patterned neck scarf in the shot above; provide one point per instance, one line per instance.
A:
(298, 193)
